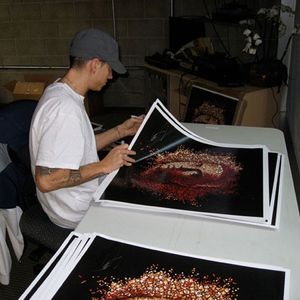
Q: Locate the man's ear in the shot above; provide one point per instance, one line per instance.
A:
(96, 64)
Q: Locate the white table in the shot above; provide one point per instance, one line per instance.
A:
(219, 239)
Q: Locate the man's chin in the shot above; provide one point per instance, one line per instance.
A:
(99, 88)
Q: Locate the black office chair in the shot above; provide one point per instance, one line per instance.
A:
(34, 224)
(37, 228)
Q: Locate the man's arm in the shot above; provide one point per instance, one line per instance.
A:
(127, 128)
(50, 179)
(107, 137)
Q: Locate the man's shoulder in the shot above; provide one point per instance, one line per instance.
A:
(56, 89)
(57, 101)
(59, 92)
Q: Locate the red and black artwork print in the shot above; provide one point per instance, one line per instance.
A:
(155, 284)
(185, 175)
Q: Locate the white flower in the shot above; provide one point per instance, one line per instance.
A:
(270, 13)
(247, 47)
(243, 22)
(258, 42)
(273, 12)
(256, 36)
(247, 32)
(248, 39)
(253, 39)
(252, 51)
(287, 9)
(262, 11)
(281, 29)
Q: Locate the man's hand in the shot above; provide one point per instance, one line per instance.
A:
(127, 128)
(117, 157)
(50, 179)
(130, 126)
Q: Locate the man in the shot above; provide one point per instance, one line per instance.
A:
(63, 147)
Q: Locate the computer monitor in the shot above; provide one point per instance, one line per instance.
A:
(185, 29)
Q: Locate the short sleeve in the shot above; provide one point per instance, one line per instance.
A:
(62, 143)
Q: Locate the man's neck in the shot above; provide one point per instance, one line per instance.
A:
(75, 80)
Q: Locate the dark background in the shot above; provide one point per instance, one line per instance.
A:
(130, 261)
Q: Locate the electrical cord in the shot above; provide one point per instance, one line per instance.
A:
(215, 30)
(180, 85)
(184, 87)
(287, 46)
(276, 108)
(189, 83)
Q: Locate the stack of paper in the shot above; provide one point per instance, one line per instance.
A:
(177, 171)
(100, 268)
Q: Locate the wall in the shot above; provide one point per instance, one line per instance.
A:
(35, 33)
(38, 33)
(293, 99)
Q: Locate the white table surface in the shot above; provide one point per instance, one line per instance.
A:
(212, 238)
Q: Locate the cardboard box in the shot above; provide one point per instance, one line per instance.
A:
(28, 90)
(42, 77)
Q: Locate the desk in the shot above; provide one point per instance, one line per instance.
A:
(213, 238)
(257, 106)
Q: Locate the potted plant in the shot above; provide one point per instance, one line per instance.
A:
(261, 37)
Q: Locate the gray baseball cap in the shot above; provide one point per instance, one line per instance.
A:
(94, 43)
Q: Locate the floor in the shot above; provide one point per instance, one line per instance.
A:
(22, 272)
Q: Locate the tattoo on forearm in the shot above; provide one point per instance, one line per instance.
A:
(44, 170)
(71, 178)
(60, 178)
(74, 176)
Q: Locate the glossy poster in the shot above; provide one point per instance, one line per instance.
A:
(209, 107)
(110, 269)
(177, 170)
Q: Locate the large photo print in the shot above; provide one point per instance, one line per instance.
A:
(177, 170)
(108, 269)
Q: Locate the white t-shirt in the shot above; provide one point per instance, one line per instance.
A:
(61, 136)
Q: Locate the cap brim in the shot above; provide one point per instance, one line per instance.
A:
(117, 66)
